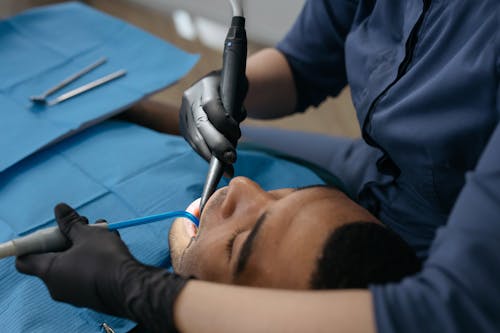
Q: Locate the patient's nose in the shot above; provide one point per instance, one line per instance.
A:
(244, 197)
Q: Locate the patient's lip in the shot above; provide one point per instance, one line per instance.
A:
(193, 208)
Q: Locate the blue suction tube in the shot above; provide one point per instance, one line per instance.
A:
(153, 218)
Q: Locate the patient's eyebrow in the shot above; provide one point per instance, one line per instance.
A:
(246, 248)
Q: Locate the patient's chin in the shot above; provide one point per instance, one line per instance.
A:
(178, 240)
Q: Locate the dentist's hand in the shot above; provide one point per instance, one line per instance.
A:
(205, 123)
(99, 272)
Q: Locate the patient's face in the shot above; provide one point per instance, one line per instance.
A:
(252, 237)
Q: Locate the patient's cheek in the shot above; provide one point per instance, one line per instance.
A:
(207, 263)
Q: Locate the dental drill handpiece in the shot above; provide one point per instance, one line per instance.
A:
(234, 61)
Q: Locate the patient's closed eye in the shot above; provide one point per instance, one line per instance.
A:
(230, 243)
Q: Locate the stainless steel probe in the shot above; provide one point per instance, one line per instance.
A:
(42, 99)
(87, 87)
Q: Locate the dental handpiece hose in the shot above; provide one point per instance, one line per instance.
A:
(51, 239)
(232, 89)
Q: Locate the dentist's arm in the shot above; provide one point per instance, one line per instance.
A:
(209, 307)
(271, 92)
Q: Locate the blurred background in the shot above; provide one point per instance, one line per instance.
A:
(199, 26)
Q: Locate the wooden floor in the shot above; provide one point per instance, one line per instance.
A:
(335, 116)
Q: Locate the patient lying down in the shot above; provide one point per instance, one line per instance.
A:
(306, 238)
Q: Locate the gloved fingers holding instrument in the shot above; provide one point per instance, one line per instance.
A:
(98, 271)
(204, 122)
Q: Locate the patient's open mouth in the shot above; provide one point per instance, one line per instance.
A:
(193, 208)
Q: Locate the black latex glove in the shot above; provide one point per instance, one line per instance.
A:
(97, 271)
(204, 122)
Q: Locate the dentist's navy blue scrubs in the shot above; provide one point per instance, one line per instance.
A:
(424, 80)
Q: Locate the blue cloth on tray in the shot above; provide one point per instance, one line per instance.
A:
(114, 170)
(43, 46)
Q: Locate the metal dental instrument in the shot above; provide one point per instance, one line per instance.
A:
(42, 99)
(51, 239)
(232, 78)
(215, 171)
(87, 87)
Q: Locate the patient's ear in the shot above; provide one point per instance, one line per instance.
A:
(358, 254)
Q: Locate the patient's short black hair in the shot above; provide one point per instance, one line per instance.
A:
(358, 254)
